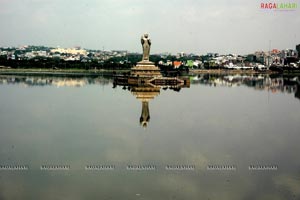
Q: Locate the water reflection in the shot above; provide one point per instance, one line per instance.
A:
(54, 81)
(146, 92)
(85, 121)
(273, 83)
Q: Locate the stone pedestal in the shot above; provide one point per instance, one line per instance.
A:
(145, 69)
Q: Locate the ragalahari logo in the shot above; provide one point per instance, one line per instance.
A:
(279, 6)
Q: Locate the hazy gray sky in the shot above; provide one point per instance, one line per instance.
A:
(192, 26)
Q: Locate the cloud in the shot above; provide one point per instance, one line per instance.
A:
(174, 26)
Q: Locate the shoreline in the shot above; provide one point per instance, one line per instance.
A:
(228, 71)
(108, 72)
(55, 72)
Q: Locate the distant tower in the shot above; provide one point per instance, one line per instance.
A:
(298, 50)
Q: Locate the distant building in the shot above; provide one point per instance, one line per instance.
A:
(212, 55)
(180, 55)
(40, 53)
(251, 58)
(298, 50)
(177, 64)
(275, 51)
(169, 63)
(72, 51)
(288, 53)
(190, 63)
(288, 56)
(3, 53)
(260, 56)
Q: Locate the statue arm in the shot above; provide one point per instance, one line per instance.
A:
(142, 40)
(149, 41)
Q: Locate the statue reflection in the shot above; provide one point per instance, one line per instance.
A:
(145, 116)
(145, 93)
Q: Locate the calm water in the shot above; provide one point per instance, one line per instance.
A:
(236, 121)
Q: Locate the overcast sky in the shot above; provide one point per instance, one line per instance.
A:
(192, 26)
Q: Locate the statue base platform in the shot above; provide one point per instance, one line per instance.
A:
(145, 69)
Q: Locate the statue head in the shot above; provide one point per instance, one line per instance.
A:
(144, 121)
(144, 124)
(146, 35)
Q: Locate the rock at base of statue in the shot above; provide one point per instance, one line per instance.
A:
(145, 69)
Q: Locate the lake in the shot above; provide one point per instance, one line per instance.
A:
(223, 137)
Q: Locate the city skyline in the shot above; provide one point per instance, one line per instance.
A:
(191, 26)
